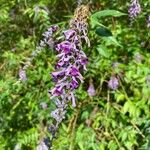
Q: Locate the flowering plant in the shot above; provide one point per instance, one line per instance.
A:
(84, 86)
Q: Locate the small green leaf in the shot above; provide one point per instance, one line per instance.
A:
(126, 107)
(120, 97)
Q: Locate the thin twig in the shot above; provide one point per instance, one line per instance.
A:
(115, 139)
(139, 131)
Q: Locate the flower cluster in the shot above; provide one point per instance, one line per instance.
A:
(134, 9)
(71, 62)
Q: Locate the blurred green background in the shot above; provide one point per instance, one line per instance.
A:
(110, 120)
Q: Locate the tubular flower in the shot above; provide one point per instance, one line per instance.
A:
(71, 62)
(134, 9)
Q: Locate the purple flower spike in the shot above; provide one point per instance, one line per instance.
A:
(71, 60)
(113, 83)
(134, 9)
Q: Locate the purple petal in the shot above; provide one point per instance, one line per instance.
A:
(69, 33)
(74, 71)
(84, 61)
(64, 46)
(74, 84)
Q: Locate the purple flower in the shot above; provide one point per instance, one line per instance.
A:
(58, 114)
(134, 9)
(113, 83)
(65, 46)
(74, 71)
(57, 91)
(69, 33)
(48, 36)
(84, 61)
(50, 31)
(74, 84)
(56, 75)
(22, 75)
(91, 90)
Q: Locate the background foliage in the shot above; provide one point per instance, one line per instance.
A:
(114, 120)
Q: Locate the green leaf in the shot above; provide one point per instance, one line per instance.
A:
(112, 145)
(104, 13)
(85, 115)
(120, 97)
(103, 51)
(95, 21)
(111, 40)
(103, 32)
(126, 107)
